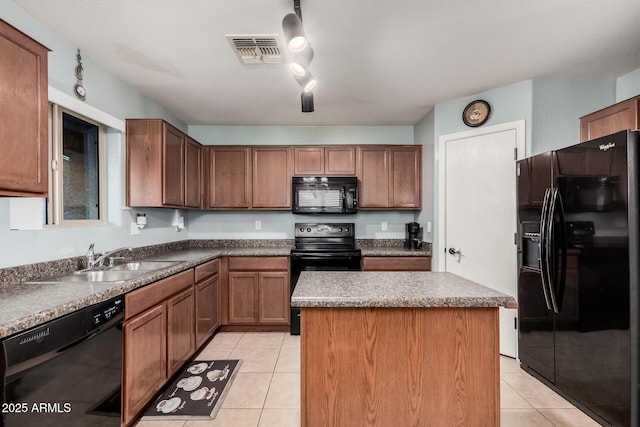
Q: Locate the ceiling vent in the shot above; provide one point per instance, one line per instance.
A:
(256, 49)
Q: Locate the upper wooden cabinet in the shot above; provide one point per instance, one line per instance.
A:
(193, 174)
(337, 160)
(621, 116)
(23, 114)
(167, 168)
(389, 176)
(163, 165)
(228, 177)
(272, 168)
(243, 177)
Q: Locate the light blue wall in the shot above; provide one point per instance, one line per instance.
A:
(557, 108)
(628, 85)
(508, 104)
(424, 135)
(301, 135)
(280, 224)
(116, 98)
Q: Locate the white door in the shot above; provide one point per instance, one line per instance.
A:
(478, 194)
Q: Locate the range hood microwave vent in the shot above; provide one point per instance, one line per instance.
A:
(256, 49)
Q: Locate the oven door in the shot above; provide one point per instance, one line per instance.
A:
(318, 262)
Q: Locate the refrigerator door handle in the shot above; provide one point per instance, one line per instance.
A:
(542, 248)
(561, 273)
(550, 251)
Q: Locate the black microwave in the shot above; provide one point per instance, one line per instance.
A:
(324, 194)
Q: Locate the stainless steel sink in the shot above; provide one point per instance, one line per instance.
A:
(92, 277)
(142, 265)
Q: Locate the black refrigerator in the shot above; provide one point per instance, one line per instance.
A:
(578, 255)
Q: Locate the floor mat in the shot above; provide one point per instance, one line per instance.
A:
(197, 392)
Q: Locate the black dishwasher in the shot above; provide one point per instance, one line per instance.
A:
(66, 372)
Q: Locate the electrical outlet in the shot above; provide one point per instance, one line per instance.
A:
(258, 224)
(384, 225)
(134, 229)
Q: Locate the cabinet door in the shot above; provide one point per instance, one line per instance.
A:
(274, 298)
(373, 170)
(243, 298)
(405, 177)
(180, 330)
(340, 160)
(144, 361)
(193, 174)
(621, 116)
(272, 167)
(308, 160)
(207, 309)
(173, 167)
(229, 177)
(23, 114)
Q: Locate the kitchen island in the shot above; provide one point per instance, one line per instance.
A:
(398, 349)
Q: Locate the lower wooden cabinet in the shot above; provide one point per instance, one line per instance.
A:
(181, 339)
(258, 291)
(145, 360)
(207, 294)
(165, 323)
(396, 263)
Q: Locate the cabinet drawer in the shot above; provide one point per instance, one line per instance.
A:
(144, 298)
(259, 263)
(207, 269)
(399, 263)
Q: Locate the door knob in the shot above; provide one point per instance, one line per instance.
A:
(454, 252)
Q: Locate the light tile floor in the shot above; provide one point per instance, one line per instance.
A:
(266, 391)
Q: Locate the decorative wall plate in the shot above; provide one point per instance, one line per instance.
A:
(476, 113)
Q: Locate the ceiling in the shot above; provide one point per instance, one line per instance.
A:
(378, 62)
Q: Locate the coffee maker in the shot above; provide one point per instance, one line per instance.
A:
(413, 236)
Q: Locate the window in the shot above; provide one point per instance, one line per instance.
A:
(77, 177)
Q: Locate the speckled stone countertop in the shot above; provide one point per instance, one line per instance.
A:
(393, 289)
(390, 247)
(25, 304)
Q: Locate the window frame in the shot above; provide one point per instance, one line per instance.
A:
(55, 205)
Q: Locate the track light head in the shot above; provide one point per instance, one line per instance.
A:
(294, 33)
(306, 98)
(300, 61)
(307, 82)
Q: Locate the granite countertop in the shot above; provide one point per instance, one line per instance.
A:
(393, 251)
(393, 289)
(27, 304)
(390, 247)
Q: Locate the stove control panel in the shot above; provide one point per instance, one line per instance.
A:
(325, 230)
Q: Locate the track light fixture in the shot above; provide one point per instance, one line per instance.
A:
(294, 33)
(301, 57)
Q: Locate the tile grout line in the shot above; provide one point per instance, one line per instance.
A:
(270, 382)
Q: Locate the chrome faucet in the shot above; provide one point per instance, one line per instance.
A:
(90, 256)
(92, 261)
